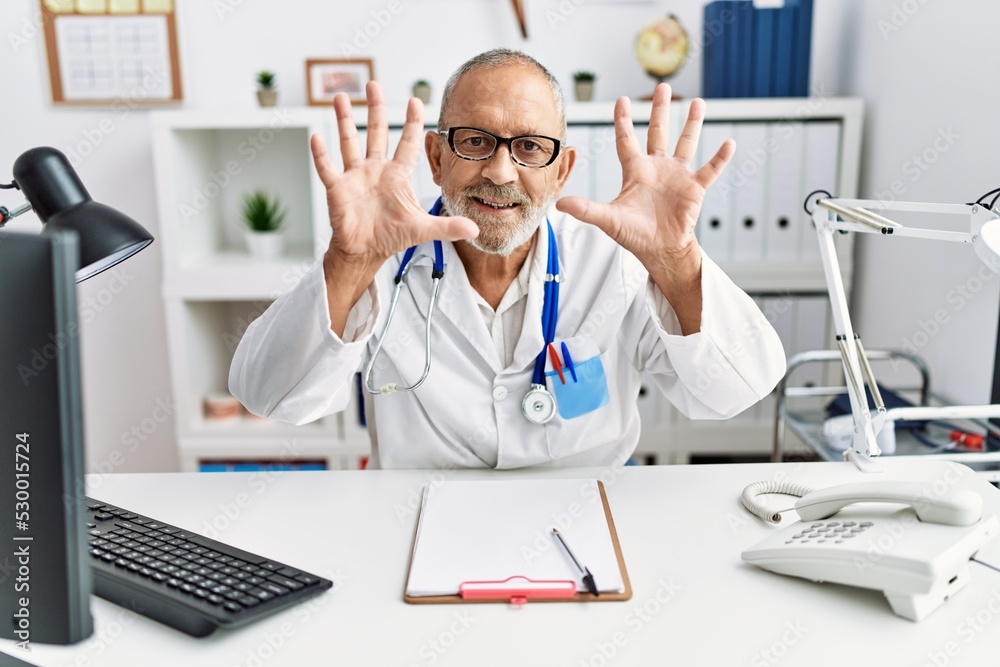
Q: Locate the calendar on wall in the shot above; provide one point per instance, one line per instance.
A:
(112, 51)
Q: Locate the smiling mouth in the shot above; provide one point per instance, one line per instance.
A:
(496, 205)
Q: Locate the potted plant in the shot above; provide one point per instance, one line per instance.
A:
(263, 217)
(422, 90)
(267, 93)
(583, 85)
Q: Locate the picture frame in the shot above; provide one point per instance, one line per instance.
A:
(325, 77)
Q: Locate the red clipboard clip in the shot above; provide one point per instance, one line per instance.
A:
(517, 589)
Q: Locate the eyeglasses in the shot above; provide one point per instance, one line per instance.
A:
(527, 150)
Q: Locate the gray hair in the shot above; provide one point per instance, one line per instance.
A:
(496, 59)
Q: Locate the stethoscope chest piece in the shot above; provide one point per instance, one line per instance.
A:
(538, 406)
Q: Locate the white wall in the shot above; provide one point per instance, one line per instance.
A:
(927, 72)
(931, 74)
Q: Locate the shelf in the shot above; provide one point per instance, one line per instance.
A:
(235, 275)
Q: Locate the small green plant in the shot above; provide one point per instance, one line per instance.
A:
(261, 213)
(266, 80)
(421, 82)
(584, 75)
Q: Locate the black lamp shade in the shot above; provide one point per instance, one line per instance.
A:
(57, 196)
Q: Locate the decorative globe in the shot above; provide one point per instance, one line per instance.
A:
(662, 47)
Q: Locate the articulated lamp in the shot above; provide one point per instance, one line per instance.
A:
(833, 215)
(45, 597)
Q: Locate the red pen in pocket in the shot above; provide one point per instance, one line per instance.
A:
(556, 363)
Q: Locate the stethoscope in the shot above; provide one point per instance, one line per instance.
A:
(538, 405)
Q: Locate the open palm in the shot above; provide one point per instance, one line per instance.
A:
(654, 216)
(373, 210)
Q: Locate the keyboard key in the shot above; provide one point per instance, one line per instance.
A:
(95, 507)
(286, 582)
(307, 579)
(141, 520)
(233, 607)
(274, 588)
(288, 572)
(215, 599)
(103, 516)
(248, 601)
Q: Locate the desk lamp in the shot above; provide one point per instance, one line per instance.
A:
(46, 584)
(57, 196)
(833, 215)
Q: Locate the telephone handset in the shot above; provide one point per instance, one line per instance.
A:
(918, 555)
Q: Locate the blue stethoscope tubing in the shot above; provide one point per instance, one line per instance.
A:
(538, 405)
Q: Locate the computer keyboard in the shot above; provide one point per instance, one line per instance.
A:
(184, 580)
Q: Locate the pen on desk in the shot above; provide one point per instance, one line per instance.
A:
(569, 360)
(588, 578)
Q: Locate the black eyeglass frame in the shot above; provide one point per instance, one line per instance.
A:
(508, 141)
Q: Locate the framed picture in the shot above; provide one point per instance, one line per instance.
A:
(327, 77)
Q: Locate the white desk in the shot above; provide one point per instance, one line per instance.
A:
(681, 528)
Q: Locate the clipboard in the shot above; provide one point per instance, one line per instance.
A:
(518, 589)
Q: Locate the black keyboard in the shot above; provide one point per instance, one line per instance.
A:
(184, 580)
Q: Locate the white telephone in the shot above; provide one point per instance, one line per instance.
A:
(917, 555)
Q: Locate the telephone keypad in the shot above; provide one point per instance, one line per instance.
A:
(831, 531)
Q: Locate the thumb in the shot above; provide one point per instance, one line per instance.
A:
(592, 212)
(451, 228)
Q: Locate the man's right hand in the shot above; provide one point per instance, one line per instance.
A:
(374, 212)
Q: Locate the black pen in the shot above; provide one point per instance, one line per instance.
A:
(588, 578)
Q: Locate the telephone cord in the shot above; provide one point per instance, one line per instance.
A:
(769, 515)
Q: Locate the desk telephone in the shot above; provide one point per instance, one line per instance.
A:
(918, 555)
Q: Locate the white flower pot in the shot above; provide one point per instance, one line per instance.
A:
(265, 245)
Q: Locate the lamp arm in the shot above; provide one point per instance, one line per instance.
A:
(6, 215)
(863, 445)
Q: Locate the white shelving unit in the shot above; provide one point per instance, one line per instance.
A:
(206, 161)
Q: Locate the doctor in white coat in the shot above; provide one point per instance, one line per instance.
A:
(571, 302)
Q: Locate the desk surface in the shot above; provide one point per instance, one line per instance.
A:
(681, 529)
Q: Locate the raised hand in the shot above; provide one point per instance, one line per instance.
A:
(654, 216)
(374, 212)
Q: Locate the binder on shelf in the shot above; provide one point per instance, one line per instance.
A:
(803, 48)
(714, 229)
(746, 28)
(750, 164)
(811, 329)
(717, 38)
(763, 52)
(784, 49)
(785, 217)
(491, 541)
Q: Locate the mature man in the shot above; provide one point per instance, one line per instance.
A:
(544, 324)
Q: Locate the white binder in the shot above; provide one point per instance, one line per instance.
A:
(715, 223)
(821, 168)
(786, 220)
(748, 175)
(811, 318)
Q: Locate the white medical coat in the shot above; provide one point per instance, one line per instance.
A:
(290, 365)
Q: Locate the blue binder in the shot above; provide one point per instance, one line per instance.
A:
(764, 44)
(784, 49)
(803, 44)
(716, 64)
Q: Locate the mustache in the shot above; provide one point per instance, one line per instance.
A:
(506, 193)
